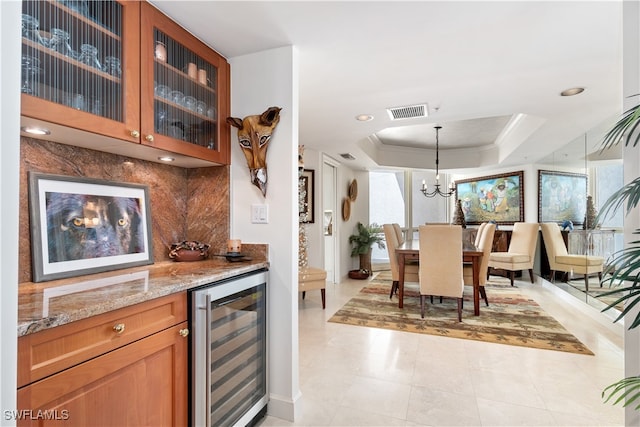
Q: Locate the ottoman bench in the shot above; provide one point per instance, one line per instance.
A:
(312, 278)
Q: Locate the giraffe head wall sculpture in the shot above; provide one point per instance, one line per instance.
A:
(254, 133)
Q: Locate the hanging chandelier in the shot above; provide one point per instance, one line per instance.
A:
(436, 191)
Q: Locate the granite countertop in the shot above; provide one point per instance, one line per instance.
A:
(48, 304)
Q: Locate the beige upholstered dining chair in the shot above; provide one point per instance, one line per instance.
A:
(410, 268)
(561, 260)
(479, 233)
(399, 233)
(521, 252)
(441, 263)
(485, 243)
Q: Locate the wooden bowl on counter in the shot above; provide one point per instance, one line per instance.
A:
(188, 251)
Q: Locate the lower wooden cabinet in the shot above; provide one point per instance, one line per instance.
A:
(143, 383)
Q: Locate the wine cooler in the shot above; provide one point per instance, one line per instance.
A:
(229, 351)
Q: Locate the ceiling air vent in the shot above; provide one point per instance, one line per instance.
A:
(408, 112)
(347, 156)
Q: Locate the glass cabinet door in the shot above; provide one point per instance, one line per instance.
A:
(73, 56)
(185, 101)
(186, 92)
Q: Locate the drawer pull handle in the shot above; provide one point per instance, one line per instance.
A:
(184, 332)
(118, 328)
(135, 134)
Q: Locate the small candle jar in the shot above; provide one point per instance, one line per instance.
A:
(192, 70)
(161, 52)
(202, 77)
(234, 246)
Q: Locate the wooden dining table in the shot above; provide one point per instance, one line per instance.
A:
(410, 250)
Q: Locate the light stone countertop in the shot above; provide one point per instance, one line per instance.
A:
(45, 305)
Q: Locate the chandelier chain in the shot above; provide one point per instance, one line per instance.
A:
(437, 191)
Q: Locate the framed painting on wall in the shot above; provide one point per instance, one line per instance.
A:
(498, 198)
(562, 196)
(83, 226)
(305, 194)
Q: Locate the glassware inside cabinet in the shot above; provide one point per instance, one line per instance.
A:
(185, 97)
(78, 48)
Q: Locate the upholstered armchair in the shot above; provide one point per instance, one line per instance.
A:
(561, 260)
(484, 243)
(521, 252)
(441, 263)
(410, 267)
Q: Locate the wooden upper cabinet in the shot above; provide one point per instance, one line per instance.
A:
(91, 66)
(67, 72)
(186, 101)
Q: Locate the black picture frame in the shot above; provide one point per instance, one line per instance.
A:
(562, 196)
(307, 202)
(485, 199)
(83, 226)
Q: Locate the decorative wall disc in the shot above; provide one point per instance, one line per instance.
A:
(346, 209)
(353, 190)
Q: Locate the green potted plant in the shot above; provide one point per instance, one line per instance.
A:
(624, 268)
(361, 244)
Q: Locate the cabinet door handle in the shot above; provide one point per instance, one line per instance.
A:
(135, 134)
(149, 138)
(184, 332)
(118, 328)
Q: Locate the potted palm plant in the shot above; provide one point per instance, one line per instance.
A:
(625, 267)
(361, 244)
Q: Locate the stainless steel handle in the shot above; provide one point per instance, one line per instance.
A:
(208, 354)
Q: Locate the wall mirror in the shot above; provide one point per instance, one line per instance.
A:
(604, 174)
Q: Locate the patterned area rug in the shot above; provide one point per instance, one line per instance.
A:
(510, 318)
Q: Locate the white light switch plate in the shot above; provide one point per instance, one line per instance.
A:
(260, 214)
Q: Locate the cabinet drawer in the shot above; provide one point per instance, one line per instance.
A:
(50, 351)
(141, 384)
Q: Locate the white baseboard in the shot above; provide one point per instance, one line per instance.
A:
(285, 408)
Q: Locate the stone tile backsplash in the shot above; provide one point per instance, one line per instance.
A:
(185, 204)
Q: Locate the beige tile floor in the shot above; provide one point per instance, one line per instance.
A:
(357, 376)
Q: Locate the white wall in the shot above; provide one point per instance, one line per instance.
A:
(342, 229)
(631, 156)
(9, 178)
(359, 213)
(259, 81)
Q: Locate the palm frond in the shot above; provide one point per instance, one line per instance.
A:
(627, 390)
(630, 194)
(624, 129)
(624, 269)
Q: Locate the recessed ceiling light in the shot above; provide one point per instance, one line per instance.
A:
(33, 130)
(364, 117)
(166, 159)
(572, 91)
